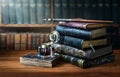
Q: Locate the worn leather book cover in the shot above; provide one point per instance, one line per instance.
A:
(17, 41)
(29, 44)
(80, 33)
(3, 39)
(41, 38)
(33, 60)
(23, 40)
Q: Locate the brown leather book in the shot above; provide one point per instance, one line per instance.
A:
(37, 39)
(33, 41)
(29, 36)
(46, 37)
(23, 40)
(41, 38)
(8, 46)
(17, 41)
(3, 40)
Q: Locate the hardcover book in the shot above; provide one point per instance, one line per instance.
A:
(3, 41)
(87, 54)
(82, 25)
(33, 60)
(84, 63)
(23, 39)
(80, 33)
(17, 41)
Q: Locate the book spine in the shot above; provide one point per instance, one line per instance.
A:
(115, 10)
(23, 41)
(65, 8)
(72, 8)
(3, 41)
(47, 10)
(41, 38)
(57, 9)
(32, 4)
(94, 9)
(26, 13)
(40, 11)
(100, 5)
(46, 37)
(18, 10)
(29, 39)
(5, 11)
(8, 41)
(12, 11)
(37, 39)
(87, 9)
(33, 41)
(88, 63)
(68, 31)
(80, 9)
(17, 41)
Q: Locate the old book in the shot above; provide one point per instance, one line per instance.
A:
(18, 11)
(40, 11)
(17, 41)
(32, 4)
(29, 39)
(41, 38)
(3, 40)
(26, 14)
(23, 41)
(4, 11)
(33, 41)
(85, 63)
(33, 60)
(46, 37)
(47, 10)
(87, 54)
(37, 39)
(77, 42)
(80, 33)
(12, 11)
(8, 42)
(82, 25)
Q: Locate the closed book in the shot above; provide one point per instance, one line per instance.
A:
(23, 41)
(12, 11)
(32, 4)
(87, 54)
(34, 60)
(40, 11)
(80, 8)
(47, 9)
(87, 9)
(72, 8)
(37, 39)
(4, 11)
(94, 9)
(33, 41)
(80, 33)
(17, 41)
(46, 37)
(82, 25)
(65, 8)
(57, 9)
(41, 38)
(85, 63)
(100, 5)
(19, 11)
(8, 42)
(3, 41)
(26, 14)
(29, 39)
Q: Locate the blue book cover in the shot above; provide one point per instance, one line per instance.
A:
(18, 10)
(5, 11)
(26, 14)
(12, 14)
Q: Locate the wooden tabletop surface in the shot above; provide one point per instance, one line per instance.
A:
(10, 66)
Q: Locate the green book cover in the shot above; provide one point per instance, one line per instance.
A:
(33, 17)
(57, 9)
(65, 9)
(18, 10)
(26, 14)
(72, 8)
(40, 11)
(80, 9)
(4, 11)
(47, 10)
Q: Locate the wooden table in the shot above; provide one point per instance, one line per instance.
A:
(10, 66)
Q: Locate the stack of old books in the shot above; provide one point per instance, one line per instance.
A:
(84, 44)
